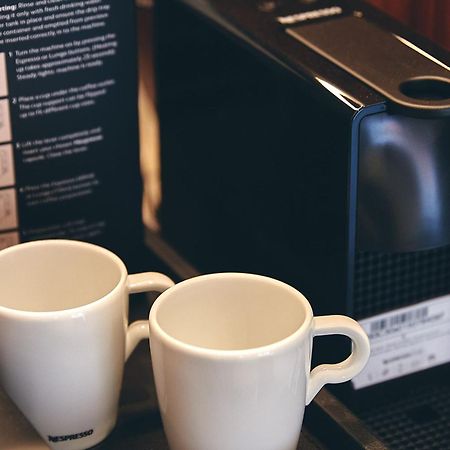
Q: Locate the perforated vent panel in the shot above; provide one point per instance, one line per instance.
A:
(420, 421)
(386, 281)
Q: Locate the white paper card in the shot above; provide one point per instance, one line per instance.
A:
(8, 239)
(7, 174)
(406, 340)
(8, 209)
(3, 76)
(5, 123)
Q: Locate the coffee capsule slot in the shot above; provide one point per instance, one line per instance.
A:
(426, 88)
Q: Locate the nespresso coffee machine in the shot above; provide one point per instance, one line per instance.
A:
(310, 141)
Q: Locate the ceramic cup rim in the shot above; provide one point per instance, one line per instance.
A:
(68, 312)
(299, 335)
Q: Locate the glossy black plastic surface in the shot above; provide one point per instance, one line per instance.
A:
(412, 80)
(404, 183)
(276, 160)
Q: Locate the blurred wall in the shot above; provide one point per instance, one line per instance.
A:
(430, 18)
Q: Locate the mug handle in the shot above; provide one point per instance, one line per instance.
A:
(137, 283)
(347, 369)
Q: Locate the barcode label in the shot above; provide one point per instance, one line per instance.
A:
(406, 340)
(398, 320)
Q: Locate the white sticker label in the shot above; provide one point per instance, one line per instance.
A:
(406, 340)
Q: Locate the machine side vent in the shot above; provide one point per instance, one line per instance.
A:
(418, 421)
(386, 281)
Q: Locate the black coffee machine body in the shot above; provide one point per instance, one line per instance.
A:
(310, 141)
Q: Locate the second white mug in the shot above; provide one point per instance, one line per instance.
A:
(231, 356)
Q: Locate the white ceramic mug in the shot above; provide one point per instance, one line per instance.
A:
(64, 336)
(231, 356)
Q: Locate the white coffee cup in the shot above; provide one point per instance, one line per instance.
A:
(231, 355)
(64, 336)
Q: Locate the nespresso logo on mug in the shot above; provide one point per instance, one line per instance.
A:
(71, 437)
